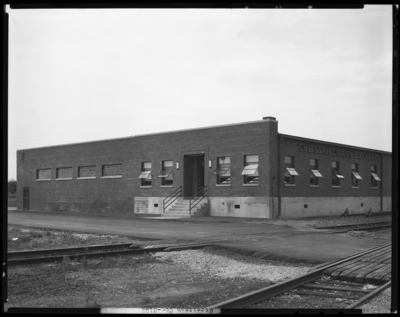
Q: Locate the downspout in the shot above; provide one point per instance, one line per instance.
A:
(273, 198)
(381, 182)
(279, 176)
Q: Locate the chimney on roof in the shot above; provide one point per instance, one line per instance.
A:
(269, 118)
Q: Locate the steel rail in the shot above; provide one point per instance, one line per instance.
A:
(382, 246)
(64, 251)
(372, 228)
(49, 259)
(370, 295)
(355, 225)
(264, 293)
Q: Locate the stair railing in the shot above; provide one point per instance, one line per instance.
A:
(171, 198)
(201, 194)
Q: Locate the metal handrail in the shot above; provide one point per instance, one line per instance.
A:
(197, 199)
(167, 201)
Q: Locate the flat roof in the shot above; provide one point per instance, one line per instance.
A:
(210, 127)
(147, 134)
(330, 143)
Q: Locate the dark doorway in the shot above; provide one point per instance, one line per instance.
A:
(193, 174)
(25, 205)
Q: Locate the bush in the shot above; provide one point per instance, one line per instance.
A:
(12, 186)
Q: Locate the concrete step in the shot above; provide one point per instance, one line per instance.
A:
(177, 215)
(177, 212)
(184, 207)
(187, 205)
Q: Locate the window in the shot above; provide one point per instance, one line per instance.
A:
(166, 173)
(250, 170)
(314, 173)
(336, 176)
(354, 175)
(64, 173)
(43, 174)
(374, 176)
(87, 172)
(145, 176)
(290, 172)
(114, 170)
(223, 170)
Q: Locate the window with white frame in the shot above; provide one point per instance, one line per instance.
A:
(145, 176)
(166, 174)
(290, 171)
(336, 176)
(374, 176)
(223, 170)
(354, 175)
(250, 171)
(314, 172)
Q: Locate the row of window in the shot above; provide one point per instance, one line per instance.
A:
(223, 172)
(250, 172)
(83, 172)
(336, 175)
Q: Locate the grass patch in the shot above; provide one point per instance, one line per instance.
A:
(23, 238)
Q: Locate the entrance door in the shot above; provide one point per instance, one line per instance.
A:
(25, 198)
(193, 174)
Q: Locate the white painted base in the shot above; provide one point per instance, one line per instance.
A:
(145, 205)
(252, 207)
(294, 207)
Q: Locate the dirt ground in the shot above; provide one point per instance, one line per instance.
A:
(314, 222)
(189, 280)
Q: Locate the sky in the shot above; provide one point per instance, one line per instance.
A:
(78, 75)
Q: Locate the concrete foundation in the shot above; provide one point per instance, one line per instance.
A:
(252, 207)
(148, 205)
(300, 207)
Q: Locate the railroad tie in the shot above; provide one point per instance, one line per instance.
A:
(378, 274)
(359, 277)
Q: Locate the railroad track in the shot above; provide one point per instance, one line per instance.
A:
(313, 290)
(97, 251)
(360, 226)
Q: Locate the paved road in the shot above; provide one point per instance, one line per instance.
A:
(255, 237)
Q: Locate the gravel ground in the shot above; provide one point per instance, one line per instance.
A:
(225, 264)
(185, 279)
(379, 304)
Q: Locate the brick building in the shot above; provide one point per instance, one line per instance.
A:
(238, 170)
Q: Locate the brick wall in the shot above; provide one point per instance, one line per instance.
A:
(304, 150)
(117, 194)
